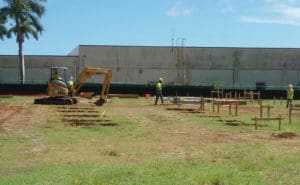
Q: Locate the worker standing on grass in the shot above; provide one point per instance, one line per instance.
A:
(159, 87)
(290, 95)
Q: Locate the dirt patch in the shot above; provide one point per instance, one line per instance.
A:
(182, 109)
(238, 123)
(81, 115)
(80, 123)
(7, 111)
(84, 122)
(77, 111)
(82, 118)
(14, 118)
(75, 108)
(287, 135)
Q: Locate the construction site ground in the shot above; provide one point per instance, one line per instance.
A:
(132, 141)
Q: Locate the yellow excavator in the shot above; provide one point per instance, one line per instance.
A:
(61, 94)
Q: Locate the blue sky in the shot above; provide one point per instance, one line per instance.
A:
(203, 23)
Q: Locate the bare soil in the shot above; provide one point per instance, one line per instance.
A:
(287, 135)
(14, 117)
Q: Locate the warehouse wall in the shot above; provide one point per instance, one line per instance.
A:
(226, 67)
(37, 68)
(221, 67)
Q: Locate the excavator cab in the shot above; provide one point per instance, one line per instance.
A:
(57, 86)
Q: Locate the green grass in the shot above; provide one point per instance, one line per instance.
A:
(18, 99)
(148, 146)
(238, 165)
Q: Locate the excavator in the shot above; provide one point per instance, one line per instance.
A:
(61, 94)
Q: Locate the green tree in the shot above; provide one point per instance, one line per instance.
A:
(3, 30)
(23, 17)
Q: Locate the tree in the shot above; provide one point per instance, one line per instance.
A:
(3, 30)
(24, 16)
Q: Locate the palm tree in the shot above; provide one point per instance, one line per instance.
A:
(3, 30)
(24, 16)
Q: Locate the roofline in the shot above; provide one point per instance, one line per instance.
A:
(204, 47)
(41, 55)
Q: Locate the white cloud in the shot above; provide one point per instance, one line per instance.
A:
(276, 12)
(261, 20)
(178, 10)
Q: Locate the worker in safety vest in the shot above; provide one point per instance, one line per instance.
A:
(290, 95)
(159, 86)
(56, 76)
(70, 82)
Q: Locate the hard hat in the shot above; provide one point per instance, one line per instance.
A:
(291, 86)
(161, 79)
(71, 77)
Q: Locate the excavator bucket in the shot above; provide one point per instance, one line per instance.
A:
(100, 102)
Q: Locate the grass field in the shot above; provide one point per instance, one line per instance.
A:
(131, 141)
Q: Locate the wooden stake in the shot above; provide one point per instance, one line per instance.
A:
(229, 109)
(255, 122)
(290, 114)
(236, 108)
(279, 122)
(261, 108)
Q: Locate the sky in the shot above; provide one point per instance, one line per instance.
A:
(201, 23)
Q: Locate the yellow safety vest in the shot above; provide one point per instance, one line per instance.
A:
(159, 86)
(290, 94)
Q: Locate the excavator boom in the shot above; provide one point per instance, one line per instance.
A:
(88, 73)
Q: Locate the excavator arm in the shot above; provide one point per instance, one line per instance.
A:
(88, 73)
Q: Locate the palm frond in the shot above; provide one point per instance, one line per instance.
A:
(35, 23)
(36, 8)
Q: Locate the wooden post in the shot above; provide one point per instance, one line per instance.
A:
(268, 110)
(222, 93)
(229, 109)
(255, 122)
(218, 108)
(261, 108)
(290, 114)
(279, 122)
(235, 95)
(213, 104)
(274, 99)
(251, 95)
(202, 104)
(201, 99)
(280, 100)
(236, 108)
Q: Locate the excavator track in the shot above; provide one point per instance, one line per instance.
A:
(56, 101)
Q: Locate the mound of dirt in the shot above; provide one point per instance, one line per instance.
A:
(288, 135)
